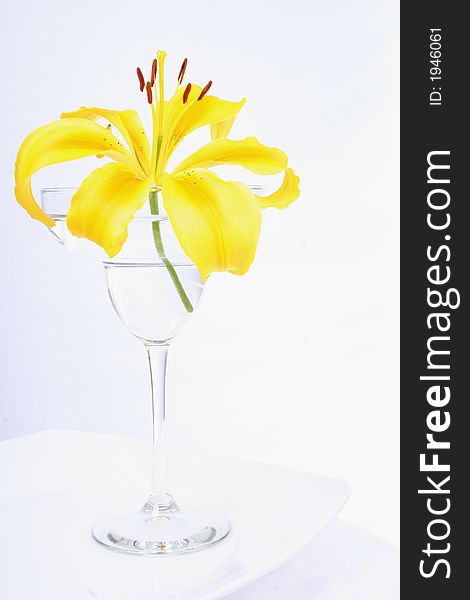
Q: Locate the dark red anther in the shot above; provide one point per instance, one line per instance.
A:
(186, 93)
(141, 79)
(204, 90)
(154, 72)
(149, 92)
(182, 71)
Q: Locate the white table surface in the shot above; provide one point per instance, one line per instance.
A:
(343, 562)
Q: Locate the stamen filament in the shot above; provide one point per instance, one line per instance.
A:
(154, 128)
(161, 88)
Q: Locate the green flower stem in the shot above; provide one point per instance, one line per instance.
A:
(157, 237)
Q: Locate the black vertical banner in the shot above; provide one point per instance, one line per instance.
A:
(435, 305)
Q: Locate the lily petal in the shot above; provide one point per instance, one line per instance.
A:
(199, 113)
(127, 122)
(105, 204)
(60, 141)
(216, 222)
(222, 128)
(249, 153)
(184, 118)
(285, 195)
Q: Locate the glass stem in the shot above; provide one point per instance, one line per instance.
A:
(157, 237)
(160, 499)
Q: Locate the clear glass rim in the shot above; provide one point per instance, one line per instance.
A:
(258, 189)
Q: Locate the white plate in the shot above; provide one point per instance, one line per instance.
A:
(46, 551)
(343, 562)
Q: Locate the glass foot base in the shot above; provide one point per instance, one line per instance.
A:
(161, 530)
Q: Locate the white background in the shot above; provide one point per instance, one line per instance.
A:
(297, 362)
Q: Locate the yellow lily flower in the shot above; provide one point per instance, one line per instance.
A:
(217, 222)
